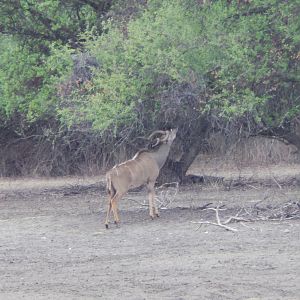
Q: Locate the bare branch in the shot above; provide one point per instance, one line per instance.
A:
(216, 224)
(166, 197)
(219, 223)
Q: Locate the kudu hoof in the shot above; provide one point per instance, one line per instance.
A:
(117, 224)
(106, 226)
(157, 215)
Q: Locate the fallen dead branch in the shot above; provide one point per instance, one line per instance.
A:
(289, 210)
(244, 182)
(277, 183)
(236, 218)
(75, 189)
(204, 206)
(219, 223)
(166, 194)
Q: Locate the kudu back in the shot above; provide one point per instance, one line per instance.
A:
(142, 169)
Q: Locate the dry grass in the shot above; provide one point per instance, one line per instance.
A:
(233, 171)
(210, 168)
(252, 151)
(20, 184)
(257, 158)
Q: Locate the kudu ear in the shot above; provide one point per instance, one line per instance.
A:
(157, 141)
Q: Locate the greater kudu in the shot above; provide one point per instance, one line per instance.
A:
(142, 169)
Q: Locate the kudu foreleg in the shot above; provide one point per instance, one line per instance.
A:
(153, 211)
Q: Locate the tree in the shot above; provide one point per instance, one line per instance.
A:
(29, 80)
(181, 63)
(43, 22)
(171, 63)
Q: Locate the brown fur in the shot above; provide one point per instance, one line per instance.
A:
(142, 169)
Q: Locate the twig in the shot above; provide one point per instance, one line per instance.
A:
(138, 202)
(168, 184)
(219, 223)
(274, 179)
(215, 224)
(235, 218)
(165, 199)
(243, 224)
(203, 207)
(252, 186)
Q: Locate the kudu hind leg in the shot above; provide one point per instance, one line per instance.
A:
(112, 206)
(115, 209)
(108, 211)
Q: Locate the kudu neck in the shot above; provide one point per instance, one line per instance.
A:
(160, 155)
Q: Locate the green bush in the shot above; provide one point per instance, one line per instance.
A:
(233, 53)
(242, 58)
(29, 81)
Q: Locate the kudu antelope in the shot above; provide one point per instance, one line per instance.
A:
(142, 169)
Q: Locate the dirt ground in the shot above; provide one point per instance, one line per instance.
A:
(53, 243)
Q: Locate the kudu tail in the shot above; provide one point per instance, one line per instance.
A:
(110, 186)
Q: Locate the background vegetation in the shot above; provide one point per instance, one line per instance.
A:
(79, 79)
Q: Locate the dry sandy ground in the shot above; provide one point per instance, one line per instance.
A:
(53, 245)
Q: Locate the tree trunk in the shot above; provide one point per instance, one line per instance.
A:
(191, 141)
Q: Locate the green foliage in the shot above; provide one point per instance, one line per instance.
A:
(155, 44)
(29, 81)
(255, 53)
(243, 58)
(36, 38)
(233, 53)
(40, 22)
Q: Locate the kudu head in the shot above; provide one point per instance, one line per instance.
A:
(164, 137)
